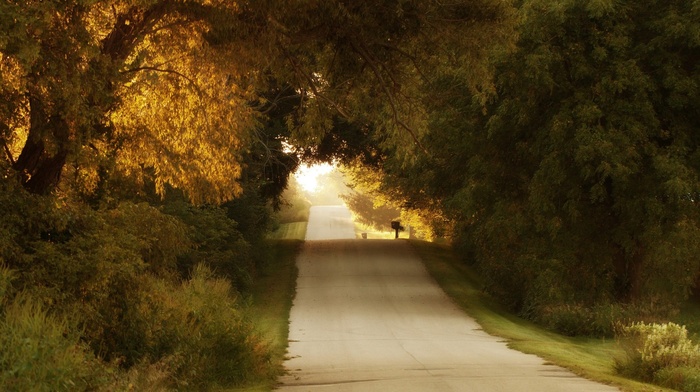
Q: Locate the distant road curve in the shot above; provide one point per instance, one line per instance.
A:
(367, 317)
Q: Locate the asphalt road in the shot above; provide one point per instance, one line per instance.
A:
(367, 317)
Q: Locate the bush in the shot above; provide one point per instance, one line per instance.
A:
(41, 352)
(601, 320)
(216, 241)
(197, 332)
(686, 379)
(159, 238)
(92, 300)
(6, 277)
(90, 273)
(661, 353)
(189, 336)
(568, 319)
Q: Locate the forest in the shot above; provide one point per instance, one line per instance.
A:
(146, 145)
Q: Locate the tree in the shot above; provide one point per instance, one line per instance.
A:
(575, 183)
(597, 183)
(368, 213)
(103, 76)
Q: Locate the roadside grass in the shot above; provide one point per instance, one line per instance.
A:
(289, 231)
(270, 304)
(590, 358)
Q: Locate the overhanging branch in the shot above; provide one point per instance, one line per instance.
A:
(168, 71)
(312, 85)
(362, 51)
(7, 151)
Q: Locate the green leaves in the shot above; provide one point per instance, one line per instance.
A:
(584, 164)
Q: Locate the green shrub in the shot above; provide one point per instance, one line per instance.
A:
(685, 379)
(160, 237)
(197, 332)
(216, 242)
(661, 353)
(601, 320)
(41, 352)
(90, 274)
(108, 309)
(6, 277)
(567, 319)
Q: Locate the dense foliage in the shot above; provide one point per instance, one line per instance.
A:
(366, 211)
(99, 299)
(574, 186)
(664, 354)
(144, 143)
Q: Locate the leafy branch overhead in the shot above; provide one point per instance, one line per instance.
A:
(168, 83)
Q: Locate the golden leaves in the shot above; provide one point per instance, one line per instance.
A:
(185, 117)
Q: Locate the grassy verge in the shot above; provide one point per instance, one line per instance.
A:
(270, 303)
(590, 358)
(290, 231)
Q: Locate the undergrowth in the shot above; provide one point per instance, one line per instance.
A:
(662, 354)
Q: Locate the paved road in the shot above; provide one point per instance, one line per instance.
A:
(330, 223)
(367, 317)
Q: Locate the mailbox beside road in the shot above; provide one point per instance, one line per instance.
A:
(396, 225)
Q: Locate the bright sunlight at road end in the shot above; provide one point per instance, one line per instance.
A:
(307, 175)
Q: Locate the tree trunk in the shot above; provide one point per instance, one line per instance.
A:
(39, 171)
(628, 277)
(47, 175)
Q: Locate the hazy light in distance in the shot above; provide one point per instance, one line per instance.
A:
(308, 175)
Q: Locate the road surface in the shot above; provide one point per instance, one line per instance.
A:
(367, 317)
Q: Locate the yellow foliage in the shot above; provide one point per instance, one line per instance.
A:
(185, 117)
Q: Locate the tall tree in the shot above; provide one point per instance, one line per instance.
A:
(577, 182)
(605, 160)
(82, 73)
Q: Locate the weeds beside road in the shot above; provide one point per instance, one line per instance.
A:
(271, 301)
(590, 358)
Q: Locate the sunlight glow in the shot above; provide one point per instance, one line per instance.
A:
(307, 175)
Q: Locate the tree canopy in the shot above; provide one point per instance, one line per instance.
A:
(145, 143)
(174, 90)
(541, 136)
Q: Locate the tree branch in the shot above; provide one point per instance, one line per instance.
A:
(271, 105)
(168, 71)
(392, 102)
(129, 28)
(7, 151)
(312, 85)
(411, 57)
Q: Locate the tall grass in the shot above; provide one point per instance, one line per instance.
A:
(124, 299)
(41, 352)
(190, 336)
(271, 301)
(200, 333)
(289, 231)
